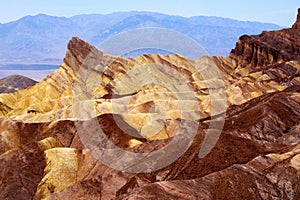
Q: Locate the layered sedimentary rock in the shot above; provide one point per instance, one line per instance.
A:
(269, 47)
(70, 171)
(101, 75)
(49, 133)
(273, 176)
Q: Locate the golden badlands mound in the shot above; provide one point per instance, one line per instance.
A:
(140, 104)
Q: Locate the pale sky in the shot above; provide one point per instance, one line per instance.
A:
(281, 12)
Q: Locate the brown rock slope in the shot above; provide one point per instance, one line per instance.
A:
(45, 130)
(257, 157)
(13, 83)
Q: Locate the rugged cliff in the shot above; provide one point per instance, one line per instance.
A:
(268, 48)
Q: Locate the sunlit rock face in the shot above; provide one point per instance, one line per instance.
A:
(103, 77)
(141, 105)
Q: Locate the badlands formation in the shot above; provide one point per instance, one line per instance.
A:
(246, 107)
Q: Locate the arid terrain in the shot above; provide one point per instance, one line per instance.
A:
(220, 127)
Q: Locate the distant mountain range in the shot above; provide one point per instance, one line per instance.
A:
(42, 39)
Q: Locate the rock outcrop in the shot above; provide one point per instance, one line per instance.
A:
(51, 134)
(269, 47)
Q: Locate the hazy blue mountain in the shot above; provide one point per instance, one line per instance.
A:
(43, 38)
